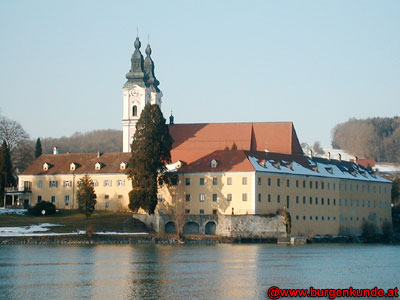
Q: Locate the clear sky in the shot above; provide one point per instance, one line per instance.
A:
(316, 63)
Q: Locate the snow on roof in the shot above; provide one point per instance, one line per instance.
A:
(321, 170)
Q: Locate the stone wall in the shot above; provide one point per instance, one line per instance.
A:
(235, 226)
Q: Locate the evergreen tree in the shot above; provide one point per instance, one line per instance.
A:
(38, 148)
(6, 170)
(86, 196)
(151, 151)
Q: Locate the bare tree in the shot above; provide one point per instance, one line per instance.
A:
(12, 132)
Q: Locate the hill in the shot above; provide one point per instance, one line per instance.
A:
(377, 138)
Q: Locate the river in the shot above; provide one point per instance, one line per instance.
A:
(174, 272)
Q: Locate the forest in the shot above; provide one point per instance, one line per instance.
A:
(377, 138)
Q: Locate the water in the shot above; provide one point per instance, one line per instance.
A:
(189, 272)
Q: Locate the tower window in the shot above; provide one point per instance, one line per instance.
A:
(134, 111)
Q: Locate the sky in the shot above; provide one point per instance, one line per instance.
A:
(315, 63)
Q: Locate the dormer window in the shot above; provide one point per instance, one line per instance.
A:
(123, 165)
(329, 170)
(214, 164)
(46, 166)
(73, 166)
(98, 166)
(261, 163)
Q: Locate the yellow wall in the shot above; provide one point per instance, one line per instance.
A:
(348, 207)
(341, 216)
(117, 195)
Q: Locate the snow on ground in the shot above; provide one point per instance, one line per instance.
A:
(7, 211)
(390, 169)
(40, 230)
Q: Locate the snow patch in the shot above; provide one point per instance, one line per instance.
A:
(9, 211)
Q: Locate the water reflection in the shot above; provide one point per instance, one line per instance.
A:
(189, 271)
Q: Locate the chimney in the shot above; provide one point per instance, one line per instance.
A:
(310, 153)
(98, 154)
(339, 157)
(171, 119)
(329, 155)
(55, 151)
(356, 160)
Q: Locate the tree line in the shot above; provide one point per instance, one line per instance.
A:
(377, 138)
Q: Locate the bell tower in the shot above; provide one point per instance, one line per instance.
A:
(141, 88)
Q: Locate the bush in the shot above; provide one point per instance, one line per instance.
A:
(368, 234)
(387, 232)
(48, 207)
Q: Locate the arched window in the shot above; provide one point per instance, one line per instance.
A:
(134, 111)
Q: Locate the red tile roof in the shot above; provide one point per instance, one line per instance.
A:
(194, 144)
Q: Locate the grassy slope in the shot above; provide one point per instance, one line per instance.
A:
(74, 221)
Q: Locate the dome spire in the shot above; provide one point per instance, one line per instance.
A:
(136, 74)
(150, 78)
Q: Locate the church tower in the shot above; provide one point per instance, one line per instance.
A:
(141, 88)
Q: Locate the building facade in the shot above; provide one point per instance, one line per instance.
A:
(253, 168)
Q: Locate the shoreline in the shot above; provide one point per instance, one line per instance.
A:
(129, 239)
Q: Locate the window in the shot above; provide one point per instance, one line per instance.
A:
(134, 111)
(106, 197)
(40, 184)
(304, 184)
(304, 217)
(259, 197)
(351, 187)
(310, 184)
(120, 182)
(214, 197)
(316, 200)
(297, 183)
(328, 202)
(215, 180)
(316, 185)
(345, 202)
(297, 199)
(214, 211)
(278, 199)
(334, 186)
(39, 198)
(322, 201)
(310, 217)
(244, 197)
(329, 185)
(187, 181)
(201, 180)
(244, 180)
(95, 182)
(310, 200)
(107, 205)
(187, 211)
(120, 197)
(287, 201)
(53, 199)
(297, 217)
(202, 211)
(53, 183)
(278, 182)
(269, 197)
(334, 202)
(187, 197)
(229, 181)
(259, 180)
(201, 197)
(269, 181)
(288, 183)
(304, 199)
(316, 217)
(67, 183)
(107, 182)
(229, 197)
(340, 202)
(66, 199)
(322, 185)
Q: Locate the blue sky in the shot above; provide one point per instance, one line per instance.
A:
(316, 63)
